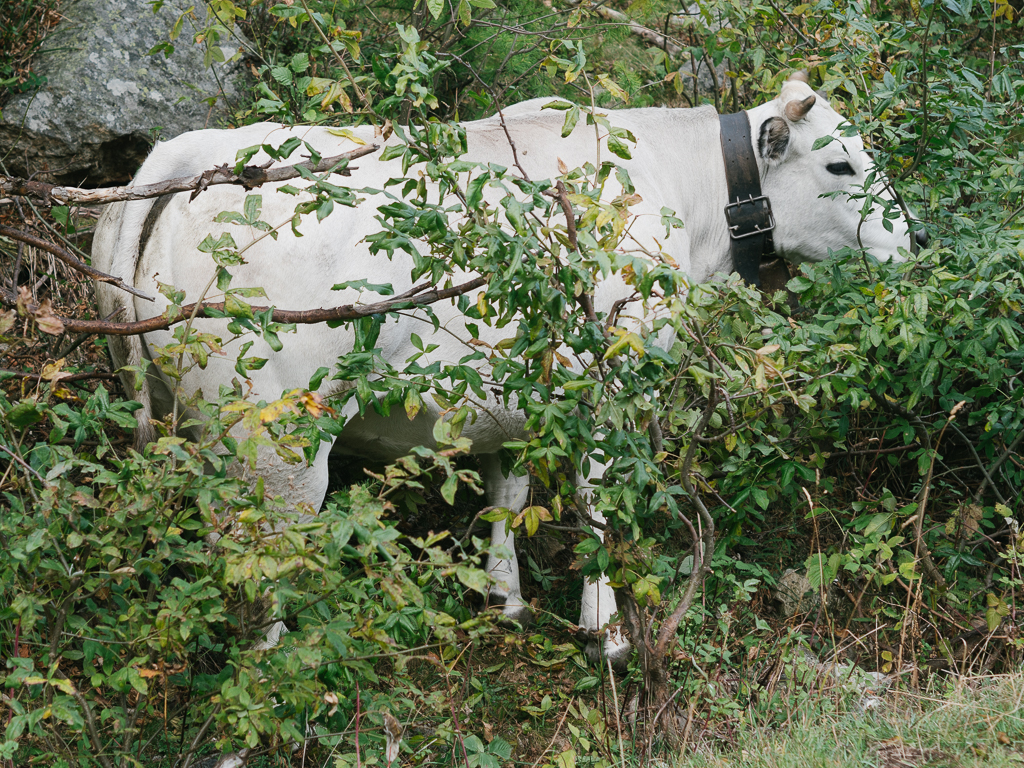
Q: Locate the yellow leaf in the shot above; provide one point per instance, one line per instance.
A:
(345, 133)
(313, 402)
(616, 347)
(613, 87)
(636, 343)
(606, 215)
(413, 403)
(52, 372)
(273, 411)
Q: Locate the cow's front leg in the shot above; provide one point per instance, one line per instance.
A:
(598, 597)
(509, 492)
(595, 615)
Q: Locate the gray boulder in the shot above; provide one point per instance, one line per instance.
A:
(795, 594)
(106, 101)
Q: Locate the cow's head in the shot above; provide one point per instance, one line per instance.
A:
(797, 179)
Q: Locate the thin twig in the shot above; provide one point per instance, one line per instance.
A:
(615, 702)
(59, 377)
(196, 741)
(921, 429)
(995, 465)
(977, 460)
(785, 17)
(90, 720)
(702, 553)
(923, 141)
(359, 91)
(21, 461)
(558, 728)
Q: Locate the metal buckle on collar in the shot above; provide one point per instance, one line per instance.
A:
(732, 208)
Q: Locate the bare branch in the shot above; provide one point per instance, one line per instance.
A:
(90, 721)
(71, 260)
(702, 551)
(418, 296)
(921, 430)
(644, 33)
(251, 176)
(60, 377)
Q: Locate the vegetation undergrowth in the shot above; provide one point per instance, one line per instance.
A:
(23, 26)
(865, 430)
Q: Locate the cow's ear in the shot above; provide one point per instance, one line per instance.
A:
(773, 142)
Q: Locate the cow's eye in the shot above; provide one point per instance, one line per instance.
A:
(840, 169)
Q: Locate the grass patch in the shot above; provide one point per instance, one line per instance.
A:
(969, 722)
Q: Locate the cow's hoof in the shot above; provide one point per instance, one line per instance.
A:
(617, 651)
(513, 610)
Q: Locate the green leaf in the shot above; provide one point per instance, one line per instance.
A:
(236, 307)
(879, 522)
(473, 578)
(533, 516)
(24, 414)
(587, 546)
(451, 485)
(572, 116)
(618, 147)
(317, 379)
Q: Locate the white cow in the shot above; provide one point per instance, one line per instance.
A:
(677, 163)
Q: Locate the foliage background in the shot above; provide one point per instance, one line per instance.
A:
(868, 432)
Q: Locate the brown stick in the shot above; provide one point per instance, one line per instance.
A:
(702, 552)
(251, 176)
(59, 377)
(646, 34)
(71, 260)
(921, 430)
(419, 296)
(586, 301)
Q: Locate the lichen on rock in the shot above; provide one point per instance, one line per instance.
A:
(106, 100)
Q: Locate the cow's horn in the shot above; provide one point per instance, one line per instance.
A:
(801, 76)
(798, 109)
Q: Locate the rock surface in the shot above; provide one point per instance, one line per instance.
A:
(795, 594)
(106, 101)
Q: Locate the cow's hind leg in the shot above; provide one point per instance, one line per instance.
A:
(304, 487)
(509, 492)
(599, 600)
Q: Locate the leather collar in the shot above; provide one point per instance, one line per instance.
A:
(749, 213)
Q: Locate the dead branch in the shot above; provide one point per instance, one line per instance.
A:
(71, 260)
(58, 378)
(560, 193)
(644, 33)
(923, 437)
(703, 550)
(251, 176)
(419, 296)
